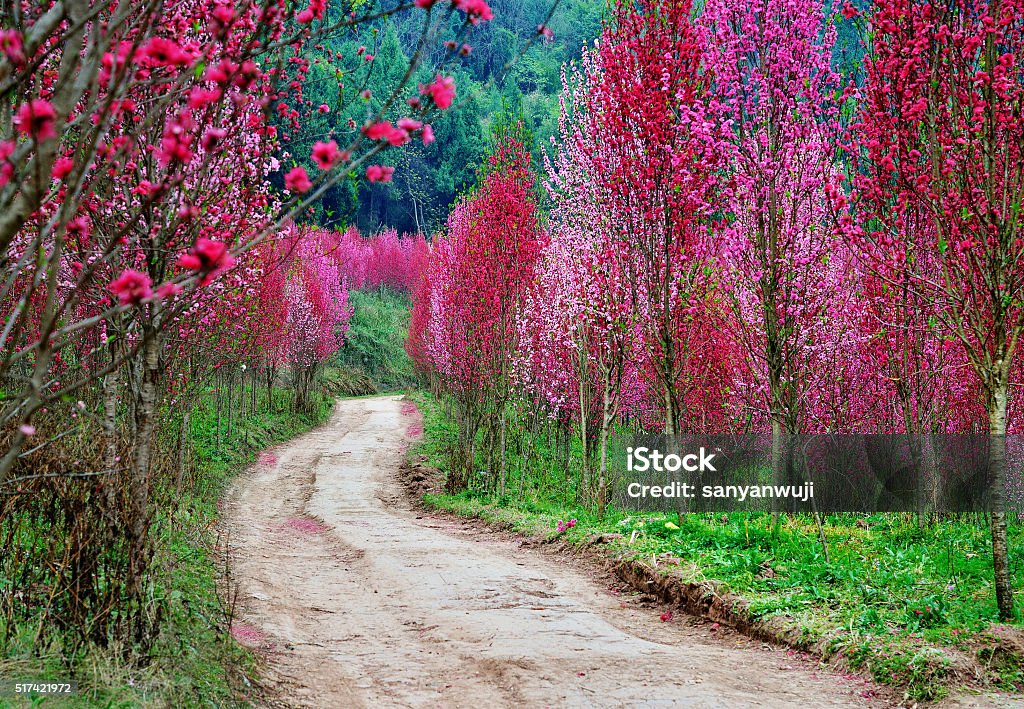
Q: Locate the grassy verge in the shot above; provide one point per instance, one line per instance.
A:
(375, 341)
(195, 662)
(913, 607)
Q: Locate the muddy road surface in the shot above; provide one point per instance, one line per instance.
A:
(354, 599)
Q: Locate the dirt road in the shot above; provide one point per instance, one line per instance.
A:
(358, 601)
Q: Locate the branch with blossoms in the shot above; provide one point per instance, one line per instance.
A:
(93, 201)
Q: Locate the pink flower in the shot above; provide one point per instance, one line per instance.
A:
(212, 138)
(199, 97)
(62, 167)
(132, 287)
(545, 32)
(36, 119)
(383, 130)
(175, 146)
(325, 155)
(441, 90)
(168, 290)
(428, 134)
(11, 46)
(379, 173)
(78, 227)
(425, 4)
(221, 72)
(304, 17)
(6, 168)
(377, 131)
(409, 124)
(296, 180)
(849, 11)
(208, 257)
(476, 10)
(27, 429)
(324, 108)
(159, 51)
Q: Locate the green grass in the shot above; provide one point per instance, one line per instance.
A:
(195, 662)
(902, 603)
(375, 341)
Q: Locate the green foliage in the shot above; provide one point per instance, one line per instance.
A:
(194, 659)
(429, 178)
(375, 341)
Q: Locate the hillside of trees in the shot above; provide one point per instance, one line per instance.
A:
(495, 74)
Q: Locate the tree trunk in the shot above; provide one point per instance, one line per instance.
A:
(778, 464)
(602, 479)
(997, 481)
(111, 383)
(583, 435)
(504, 458)
(671, 415)
(146, 417)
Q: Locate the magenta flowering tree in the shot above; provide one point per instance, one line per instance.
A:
(480, 274)
(783, 268)
(663, 152)
(317, 314)
(939, 138)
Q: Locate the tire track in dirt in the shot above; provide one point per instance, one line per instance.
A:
(354, 600)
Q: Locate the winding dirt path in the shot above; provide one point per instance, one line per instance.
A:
(355, 600)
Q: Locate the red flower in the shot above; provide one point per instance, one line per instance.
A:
(61, 167)
(476, 10)
(441, 90)
(379, 173)
(36, 119)
(160, 51)
(208, 257)
(296, 180)
(132, 287)
(325, 155)
(849, 11)
(11, 46)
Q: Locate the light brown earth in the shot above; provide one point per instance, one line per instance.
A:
(356, 600)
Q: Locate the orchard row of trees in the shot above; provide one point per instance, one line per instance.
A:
(739, 239)
(147, 257)
(269, 324)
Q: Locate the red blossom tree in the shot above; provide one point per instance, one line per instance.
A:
(939, 142)
(662, 158)
(479, 274)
